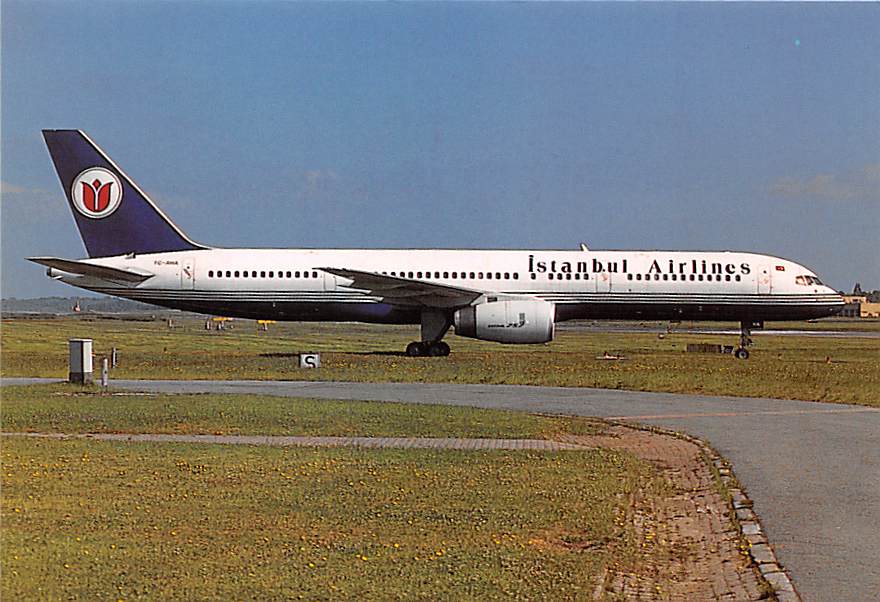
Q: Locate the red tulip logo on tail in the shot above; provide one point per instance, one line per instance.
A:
(96, 192)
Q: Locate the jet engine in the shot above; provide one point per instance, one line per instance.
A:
(512, 321)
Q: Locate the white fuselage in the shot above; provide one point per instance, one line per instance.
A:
(291, 285)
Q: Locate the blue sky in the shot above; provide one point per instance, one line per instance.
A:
(744, 126)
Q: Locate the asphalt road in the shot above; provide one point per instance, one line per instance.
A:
(812, 469)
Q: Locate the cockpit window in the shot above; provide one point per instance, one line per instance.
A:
(808, 281)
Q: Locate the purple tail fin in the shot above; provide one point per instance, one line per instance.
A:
(113, 215)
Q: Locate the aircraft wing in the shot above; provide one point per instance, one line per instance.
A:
(406, 291)
(84, 268)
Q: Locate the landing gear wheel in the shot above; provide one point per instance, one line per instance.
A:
(741, 354)
(435, 349)
(415, 349)
(438, 349)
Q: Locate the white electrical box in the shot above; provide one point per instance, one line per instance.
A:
(80, 361)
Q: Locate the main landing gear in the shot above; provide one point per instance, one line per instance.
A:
(435, 323)
(745, 337)
(427, 348)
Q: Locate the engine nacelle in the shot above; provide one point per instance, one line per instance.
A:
(507, 321)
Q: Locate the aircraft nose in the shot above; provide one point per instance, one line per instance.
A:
(830, 291)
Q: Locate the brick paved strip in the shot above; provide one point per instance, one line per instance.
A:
(366, 442)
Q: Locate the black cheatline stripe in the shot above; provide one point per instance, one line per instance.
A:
(674, 294)
(543, 294)
(555, 297)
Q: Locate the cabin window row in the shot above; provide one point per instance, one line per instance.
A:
(456, 275)
(260, 274)
(684, 277)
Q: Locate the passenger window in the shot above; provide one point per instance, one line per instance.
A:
(446, 274)
(271, 274)
(296, 274)
(288, 274)
(568, 276)
(473, 275)
(497, 275)
(314, 274)
(629, 276)
(700, 277)
(515, 276)
(228, 274)
(665, 276)
(305, 274)
(489, 275)
(550, 276)
(638, 276)
(534, 276)
(693, 277)
(727, 277)
(244, 274)
(410, 274)
(506, 275)
(210, 273)
(738, 278)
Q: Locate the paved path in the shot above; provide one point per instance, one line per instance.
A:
(812, 469)
(462, 443)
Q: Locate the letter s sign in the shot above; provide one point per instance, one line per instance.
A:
(309, 360)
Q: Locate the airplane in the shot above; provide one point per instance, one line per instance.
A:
(508, 296)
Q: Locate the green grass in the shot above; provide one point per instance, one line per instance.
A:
(71, 409)
(99, 520)
(792, 367)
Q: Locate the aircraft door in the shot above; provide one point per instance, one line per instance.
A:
(187, 274)
(603, 282)
(329, 281)
(765, 283)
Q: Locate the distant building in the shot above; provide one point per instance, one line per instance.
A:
(858, 306)
(869, 310)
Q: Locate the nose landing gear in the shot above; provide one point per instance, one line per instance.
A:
(745, 337)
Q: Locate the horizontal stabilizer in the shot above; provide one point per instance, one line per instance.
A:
(84, 268)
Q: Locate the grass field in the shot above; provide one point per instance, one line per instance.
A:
(792, 367)
(100, 520)
(67, 408)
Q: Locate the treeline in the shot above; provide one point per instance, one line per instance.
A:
(65, 305)
(873, 296)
